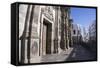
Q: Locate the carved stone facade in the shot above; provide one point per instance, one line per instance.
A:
(46, 30)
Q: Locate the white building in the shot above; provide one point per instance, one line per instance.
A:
(85, 34)
(76, 34)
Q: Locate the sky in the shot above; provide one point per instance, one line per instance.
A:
(83, 16)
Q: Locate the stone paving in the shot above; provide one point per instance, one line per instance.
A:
(52, 57)
(80, 53)
(57, 57)
(72, 54)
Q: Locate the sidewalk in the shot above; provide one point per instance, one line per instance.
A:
(53, 57)
(57, 57)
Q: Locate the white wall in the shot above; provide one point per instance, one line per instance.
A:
(5, 34)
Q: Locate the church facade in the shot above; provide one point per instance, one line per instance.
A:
(43, 30)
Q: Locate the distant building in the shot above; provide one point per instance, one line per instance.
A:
(76, 34)
(85, 35)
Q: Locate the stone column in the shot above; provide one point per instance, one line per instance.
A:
(23, 37)
(71, 40)
(56, 31)
(29, 34)
(63, 29)
(67, 33)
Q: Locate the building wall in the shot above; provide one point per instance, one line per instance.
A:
(76, 34)
(31, 32)
(22, 33)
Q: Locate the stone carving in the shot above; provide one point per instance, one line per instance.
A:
(35, 31)
(36, 14)
(34, 48)
(48, 12)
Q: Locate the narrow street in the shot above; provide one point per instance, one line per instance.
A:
(78, 53)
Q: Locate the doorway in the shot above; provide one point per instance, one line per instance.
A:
(46, 37)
